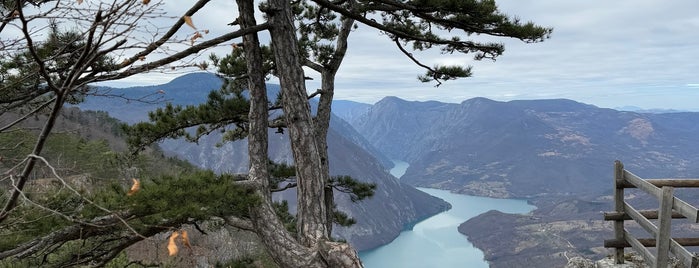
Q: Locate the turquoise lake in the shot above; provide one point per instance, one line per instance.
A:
(436, 242)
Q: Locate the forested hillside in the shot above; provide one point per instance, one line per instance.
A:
(88, 172)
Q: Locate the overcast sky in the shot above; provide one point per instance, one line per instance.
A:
(608, 53)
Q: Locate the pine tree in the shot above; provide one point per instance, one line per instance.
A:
(310, 33)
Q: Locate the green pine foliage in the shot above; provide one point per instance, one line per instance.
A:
(318, 28)
(226, 110)
(193, 197)
(356, 189)
(223, 112)
(164, 203)
(427, 24)
(342, 218)
(281, 170)
(256, 261)
(31, 222)
(59, 52)
(172, 193)
(289, 220)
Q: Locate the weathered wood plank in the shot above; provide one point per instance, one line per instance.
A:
(677, 183)
(642, 184)
(648, 214)
(619, 207)
(639, 248)
(642, 221)
(650, 242)
(663, 235)
(670, 207)
(694, 263)
(689, 211)
(682, 253)
(676, 247)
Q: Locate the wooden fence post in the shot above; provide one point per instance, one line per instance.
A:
(662, 240)
(619, 207)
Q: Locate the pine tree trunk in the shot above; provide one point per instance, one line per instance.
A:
(283, 248)
(312, 249)
(311, 176)
(322, 126)
(311, 210)
(325, 111)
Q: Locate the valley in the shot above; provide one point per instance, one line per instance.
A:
(557, 154)
(437, 238)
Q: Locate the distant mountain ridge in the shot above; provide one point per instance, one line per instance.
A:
(530, 147)
(349, 110)
(649, 111)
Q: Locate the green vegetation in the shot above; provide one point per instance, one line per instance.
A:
(172, 193)
(72, 155)
(60, 51)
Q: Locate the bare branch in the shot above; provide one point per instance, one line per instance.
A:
(196, 7)
(435, 73)
(315, 66)
(180, 55)
(32, 51)
(66, 234)
(31, 161)
(19, 120)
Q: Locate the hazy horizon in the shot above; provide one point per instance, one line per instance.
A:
(623, 105)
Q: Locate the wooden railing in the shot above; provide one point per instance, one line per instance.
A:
(670, 207)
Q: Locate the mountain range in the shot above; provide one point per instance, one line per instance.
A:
(558, 154)
(528, 148)
(379, 219)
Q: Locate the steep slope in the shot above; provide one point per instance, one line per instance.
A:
(349, 110)
(394, 205)
(528, 148)
(380, 219)
(132, 105)
(400, 129)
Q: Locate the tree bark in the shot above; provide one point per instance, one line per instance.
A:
(324, 112)
(311, 209)
(322, 126)
(283, 248)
